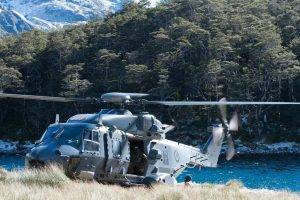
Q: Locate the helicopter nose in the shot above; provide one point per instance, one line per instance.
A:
(39, 155)
(32, 160)
(32, 154)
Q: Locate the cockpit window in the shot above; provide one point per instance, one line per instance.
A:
(70, 136)
(91, 140)
(87, 134)
(91, 135)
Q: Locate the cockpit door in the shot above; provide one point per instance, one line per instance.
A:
(93, 152)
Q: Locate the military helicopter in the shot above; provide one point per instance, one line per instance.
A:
(116, 146)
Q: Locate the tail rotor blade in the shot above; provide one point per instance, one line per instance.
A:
(217, 134)
(231, 151)
(215, 139)
(223, 111)
(234, 123)
(214, 145)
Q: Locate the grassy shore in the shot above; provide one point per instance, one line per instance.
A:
(51, 183)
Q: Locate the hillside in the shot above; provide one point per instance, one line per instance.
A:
(196, 50)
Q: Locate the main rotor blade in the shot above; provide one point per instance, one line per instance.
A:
(230, 151)
(216, 103)
(45, 98)
(234, 122)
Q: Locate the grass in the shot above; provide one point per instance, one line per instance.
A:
(51, 176)
(51, 183)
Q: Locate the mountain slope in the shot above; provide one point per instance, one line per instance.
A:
(11, 22)
(53, 14)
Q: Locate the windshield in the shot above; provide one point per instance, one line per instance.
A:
(70, 136)
(51, 130)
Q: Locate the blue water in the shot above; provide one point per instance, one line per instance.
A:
(10, 162)
(280, 172)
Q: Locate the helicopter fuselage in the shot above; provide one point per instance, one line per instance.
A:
(117, 147)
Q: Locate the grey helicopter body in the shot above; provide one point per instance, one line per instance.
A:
(116, 146)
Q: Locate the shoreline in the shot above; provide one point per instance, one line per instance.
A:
(14, 147)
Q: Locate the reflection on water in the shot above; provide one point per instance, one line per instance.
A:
(264, 171)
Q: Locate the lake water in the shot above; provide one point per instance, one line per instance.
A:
(281, 172)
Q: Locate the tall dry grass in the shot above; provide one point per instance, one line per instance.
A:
(51, 183)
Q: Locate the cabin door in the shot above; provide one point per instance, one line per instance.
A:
(118, 156)
(138, 158)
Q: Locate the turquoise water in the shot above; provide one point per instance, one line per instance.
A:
(10, 162)
(273, 172)
(265, 171)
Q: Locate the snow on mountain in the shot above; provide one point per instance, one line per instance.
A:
(11, 22)
(53, 14)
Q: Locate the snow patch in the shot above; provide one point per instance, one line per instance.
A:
(281, 145)
(275, 148)
(22, 17)
(7, 146)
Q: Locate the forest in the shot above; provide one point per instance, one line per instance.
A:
(179, 50)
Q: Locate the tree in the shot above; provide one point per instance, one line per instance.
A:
(10, 78)
(73, 85)
(135, 74)
(106, 70)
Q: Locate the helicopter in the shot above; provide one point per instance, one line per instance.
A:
(117, 147)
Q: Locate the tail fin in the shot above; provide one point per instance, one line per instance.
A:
(213, 146)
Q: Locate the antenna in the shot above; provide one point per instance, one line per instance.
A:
(57, 119)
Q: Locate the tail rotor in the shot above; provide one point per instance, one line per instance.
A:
(219, 132)
(228, 128)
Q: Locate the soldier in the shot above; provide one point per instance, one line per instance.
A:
(188, 181)
(140, 160)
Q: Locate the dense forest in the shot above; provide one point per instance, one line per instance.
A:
(179, 50)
